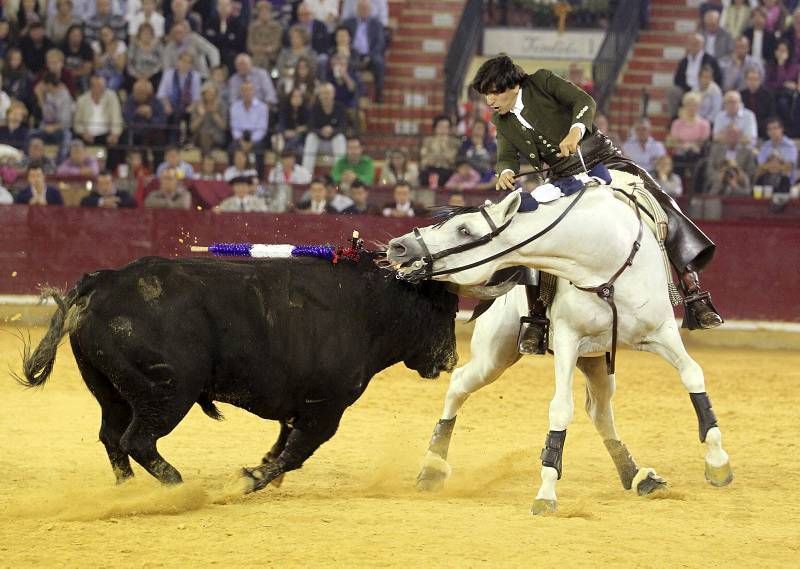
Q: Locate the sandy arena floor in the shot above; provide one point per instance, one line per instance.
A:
(354, 504)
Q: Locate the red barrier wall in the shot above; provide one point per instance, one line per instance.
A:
(755, 274)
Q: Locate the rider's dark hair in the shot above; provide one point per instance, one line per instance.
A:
(497, 75)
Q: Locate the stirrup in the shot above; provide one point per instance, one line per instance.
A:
(530, 325)
(689, 318)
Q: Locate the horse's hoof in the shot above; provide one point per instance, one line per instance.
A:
(278, 481)
(433, 473)
(541, 506)
(719, 475)
(647, 481)
(430, 480)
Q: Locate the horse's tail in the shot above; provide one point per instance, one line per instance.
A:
(37, 364)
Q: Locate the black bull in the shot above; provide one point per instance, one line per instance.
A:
(294, 340)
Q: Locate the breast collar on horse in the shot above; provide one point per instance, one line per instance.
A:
(605, 291)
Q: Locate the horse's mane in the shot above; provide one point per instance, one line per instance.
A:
(444, 213)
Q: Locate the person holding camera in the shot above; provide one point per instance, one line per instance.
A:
(732, 182)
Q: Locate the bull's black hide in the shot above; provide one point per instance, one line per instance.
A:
(294, 340)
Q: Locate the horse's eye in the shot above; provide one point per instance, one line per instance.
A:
(463, 230)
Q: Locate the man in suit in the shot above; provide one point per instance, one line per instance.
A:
(242, 199)
(762, 42)
(106, 195)
(317, 31)
(38, 192)
(758, 99)
(718, 41)
(317, 202)
(369, 43)
(402, 206)
(544, 118)
(687, 74)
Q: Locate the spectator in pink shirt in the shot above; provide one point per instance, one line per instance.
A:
(465, 177)
(689, 132)
(79, 162)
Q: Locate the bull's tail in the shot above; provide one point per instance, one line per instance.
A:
(37, 364)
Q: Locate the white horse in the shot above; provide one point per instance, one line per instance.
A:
(584, 248)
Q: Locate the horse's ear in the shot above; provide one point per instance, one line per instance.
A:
(509, 206)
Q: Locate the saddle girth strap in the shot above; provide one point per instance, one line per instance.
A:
(606, 290)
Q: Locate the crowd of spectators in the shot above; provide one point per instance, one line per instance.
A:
(735, 103)
(96, 87)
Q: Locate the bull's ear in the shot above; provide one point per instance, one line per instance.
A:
(509, 206)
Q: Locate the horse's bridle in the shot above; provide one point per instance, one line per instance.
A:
(605, 291)
(426, 271)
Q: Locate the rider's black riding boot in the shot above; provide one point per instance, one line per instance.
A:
(698, 311)
(533, 328)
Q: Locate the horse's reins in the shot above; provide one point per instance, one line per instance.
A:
(430, 258)
(605, 291)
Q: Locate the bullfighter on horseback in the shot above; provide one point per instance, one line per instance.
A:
(545, 119)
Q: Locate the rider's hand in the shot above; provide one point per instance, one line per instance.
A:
(505, 181)
(569, 145)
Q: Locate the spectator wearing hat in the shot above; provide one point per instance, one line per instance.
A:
(105, 194)
(38, 192)
(242, 199)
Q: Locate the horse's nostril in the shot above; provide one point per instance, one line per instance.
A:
(398, 249)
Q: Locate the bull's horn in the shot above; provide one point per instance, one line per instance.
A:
(486, 292)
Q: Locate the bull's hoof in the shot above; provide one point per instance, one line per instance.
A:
(257, 477)
(433, 473)
(542, 506)
(647, 481)
(430, 480)
(719, 475)
(278, 481)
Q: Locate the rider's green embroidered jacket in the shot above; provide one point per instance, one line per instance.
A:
(551, 106)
